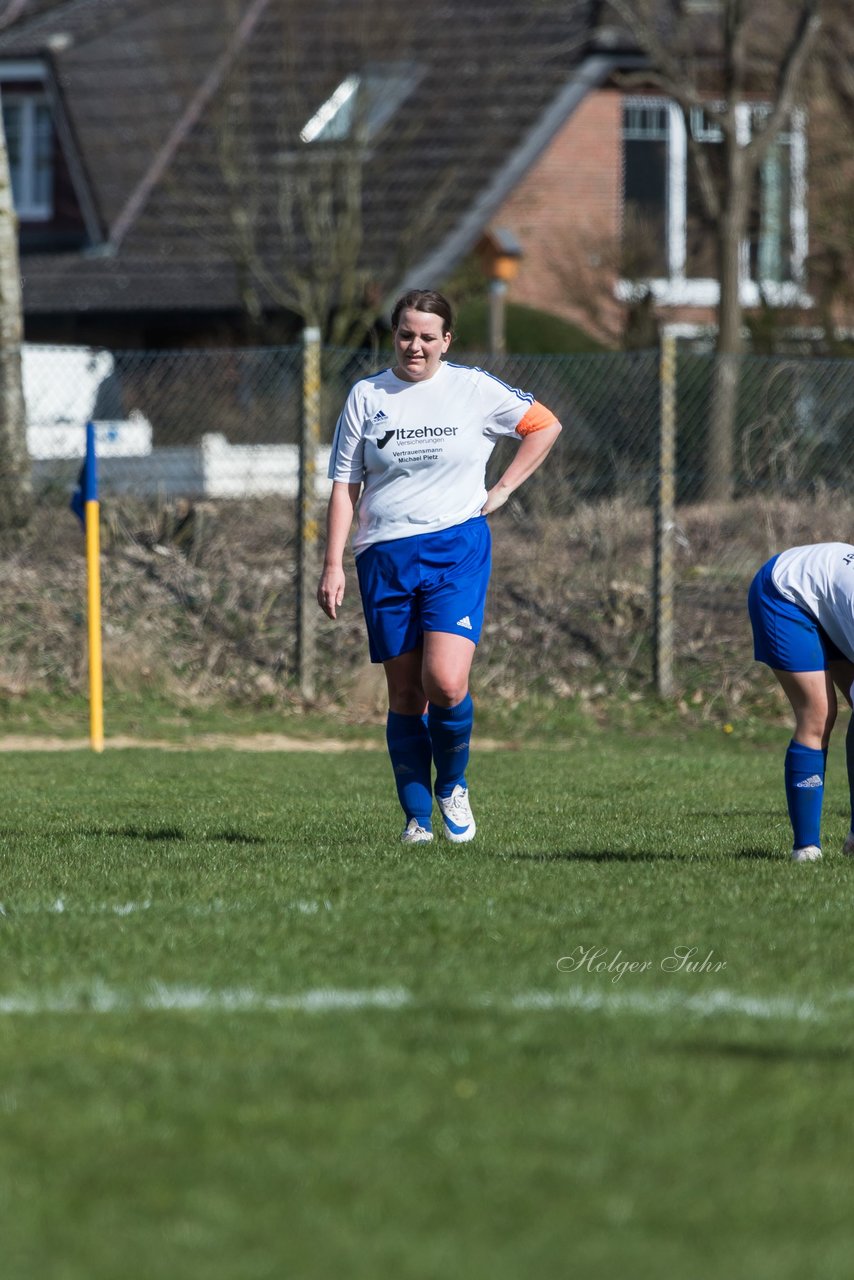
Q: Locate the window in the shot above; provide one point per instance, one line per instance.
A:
(770, 238)
(362, 103)
(700, 239)
(29, 142)
(645, 134)
(667, 238)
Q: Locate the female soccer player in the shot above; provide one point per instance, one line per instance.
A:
(801, 607)
(409, 458)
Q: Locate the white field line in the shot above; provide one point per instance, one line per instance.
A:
(202, 742)
(302, 906)
(158, 997)
(261, 742)
(704, 1004)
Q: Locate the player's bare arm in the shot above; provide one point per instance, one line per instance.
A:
(531, 453)
(339, 518)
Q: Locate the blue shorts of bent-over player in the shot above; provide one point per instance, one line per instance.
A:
(427, 582)
(786, 636)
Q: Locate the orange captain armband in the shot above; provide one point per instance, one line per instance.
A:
(537, 417)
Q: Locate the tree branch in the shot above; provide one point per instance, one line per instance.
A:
(788, 79)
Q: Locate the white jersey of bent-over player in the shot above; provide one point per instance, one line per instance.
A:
(820, 578)
(421, 448)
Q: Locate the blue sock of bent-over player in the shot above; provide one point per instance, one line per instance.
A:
(450, 734)
(805, 792)
(408, 740)
(849, 761)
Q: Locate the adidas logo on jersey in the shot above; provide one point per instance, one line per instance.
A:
(380, 416)
(465, 622)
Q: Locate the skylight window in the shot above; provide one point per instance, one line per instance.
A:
(362, 103)
(334, 120)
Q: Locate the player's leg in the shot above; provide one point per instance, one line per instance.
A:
(450, 716)
(790, 641)
(843, 677)
(409, 746)
(812, 697)
(388, 583)
(455, 575)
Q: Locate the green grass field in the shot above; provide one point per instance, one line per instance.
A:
(245, 1034)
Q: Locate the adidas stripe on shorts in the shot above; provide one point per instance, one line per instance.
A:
(426, 582)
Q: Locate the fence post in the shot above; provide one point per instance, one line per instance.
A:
(665, 520)
(307, 512)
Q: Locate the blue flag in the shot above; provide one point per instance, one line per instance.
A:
(87, 481)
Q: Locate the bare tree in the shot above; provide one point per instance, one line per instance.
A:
(761, 53)
(831, 261)
(15, 481)
(12, 12)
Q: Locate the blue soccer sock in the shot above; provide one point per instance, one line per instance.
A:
(805, 792)
(408, 740)
(849, 761)
(450, 734)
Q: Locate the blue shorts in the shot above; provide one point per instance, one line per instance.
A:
(785, 636)
(428, 582)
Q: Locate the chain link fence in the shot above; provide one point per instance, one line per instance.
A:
(199, 467)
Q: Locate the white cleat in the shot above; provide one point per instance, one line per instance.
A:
(414, 833)
(848, 845)
(807, 853)
(457, 817)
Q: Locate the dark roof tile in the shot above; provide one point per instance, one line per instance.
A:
(180, 124)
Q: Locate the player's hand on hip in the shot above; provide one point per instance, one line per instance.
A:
(330, 591)
(495, 498)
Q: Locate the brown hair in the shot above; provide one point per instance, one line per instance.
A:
(424, 300)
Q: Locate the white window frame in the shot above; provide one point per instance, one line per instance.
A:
(678, 289)
(27, 206)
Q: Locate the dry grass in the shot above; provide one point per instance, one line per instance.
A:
(199, 603)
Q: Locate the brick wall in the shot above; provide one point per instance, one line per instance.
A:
(566, 214)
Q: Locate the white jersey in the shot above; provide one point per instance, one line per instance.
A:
(820, 578)
(421, 448)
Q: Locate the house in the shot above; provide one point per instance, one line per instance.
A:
(202, 172)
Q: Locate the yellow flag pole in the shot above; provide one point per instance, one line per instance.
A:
(96, 675)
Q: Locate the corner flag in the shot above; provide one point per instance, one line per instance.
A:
(86, 489)
(85, 505)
